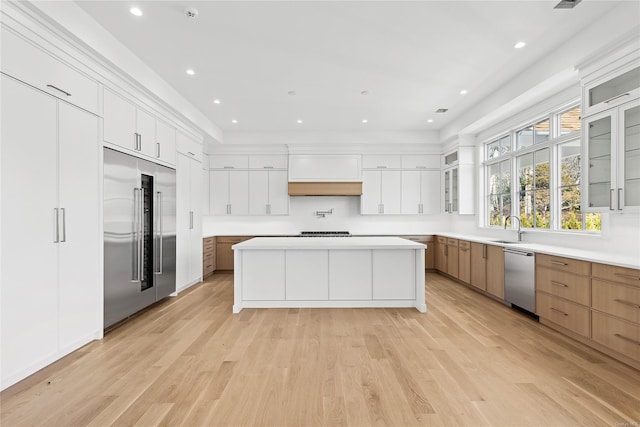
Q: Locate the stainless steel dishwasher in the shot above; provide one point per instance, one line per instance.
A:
(519, 283)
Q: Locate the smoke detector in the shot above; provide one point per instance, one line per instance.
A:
(191, 12)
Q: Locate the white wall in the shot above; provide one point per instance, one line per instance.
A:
(346, 216)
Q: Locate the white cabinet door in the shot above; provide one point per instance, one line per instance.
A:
(80, 282)
(390, 192)
(430, 192)
(146, 127)
(239, 192)
(119, 121)
(411, 186)
(278, 193)
(350, 275)
(165, 142)
(258, 192)
(183, 221)
(219, 192)
(29, 310)
(628, 192)
(371, 187)
(195, 237)
(307, 275)
(263, 277)
(394, 274)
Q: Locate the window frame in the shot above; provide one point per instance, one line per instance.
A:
(553, 143)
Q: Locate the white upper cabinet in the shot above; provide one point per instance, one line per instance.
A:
(268, 162)
(229, 161)
(421, 192)
(136, 130)
(427, 161)
(381, 190)
(29, 63)
(268, 192)
(189, 146)
(324, 167)
(378, 161)
(612, 89)
(458, 183)
(229, 192)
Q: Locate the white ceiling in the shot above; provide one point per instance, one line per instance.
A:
(412, 56)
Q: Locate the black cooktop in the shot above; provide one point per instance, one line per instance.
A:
(325, 234)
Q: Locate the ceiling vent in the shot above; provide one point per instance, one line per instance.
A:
(567, 4)
(442, 110)
(191, 12)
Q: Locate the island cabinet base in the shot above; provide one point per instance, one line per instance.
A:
(329, 277)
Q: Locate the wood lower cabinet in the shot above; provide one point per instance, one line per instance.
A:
(208, 256)
(495, 271)
(224, 253)
(464, 261)
(451, 253)
(478, 255)
(569, 315)
(440, 254)
(429, 253)
(615, 309)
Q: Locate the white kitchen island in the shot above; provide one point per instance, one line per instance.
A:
(294, 272)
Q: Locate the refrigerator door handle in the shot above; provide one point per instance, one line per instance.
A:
(135, 270)
(141, 237)
(160, 231)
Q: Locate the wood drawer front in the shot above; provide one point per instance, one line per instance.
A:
(208, 257)
(564, 313)
(618, 335)
(232, 239)
(617, 300)
(563, 284)
(452, 242)
(442, 240)
(564, 264)
(207, 247)
(208, 241)
(628, 276)
(464, 244)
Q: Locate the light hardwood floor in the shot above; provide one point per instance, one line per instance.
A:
(468, 361)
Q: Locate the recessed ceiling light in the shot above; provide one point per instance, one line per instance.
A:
(430, 121)
(190, 72)
(464, 92)
(364, 92)
(234, 121)
(216, 101)
(291, 93)
(298, 121)
(135, 11)
(520, 45)
(365, 121)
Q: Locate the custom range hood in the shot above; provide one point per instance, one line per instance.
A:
(325, 175)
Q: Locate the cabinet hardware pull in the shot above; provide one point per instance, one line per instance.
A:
(191, 220)
(228, 209)
(629, 303)
(627, 276)
(56, 229)
(189, 152)
(64, 225)
(139, 142)
(381, 167)
(161, 231)
(622, 337)
(558, 262)
(616, 97)
(559, 284)
(446, 250)
(224, 167)
(135, 141)
(619, 198)
(157, 149)
(484, 251)
(611, 200)
(268, 167)
(59, 90)
(561, 312)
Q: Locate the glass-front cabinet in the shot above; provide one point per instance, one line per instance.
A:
(451, 190)
(612, 157)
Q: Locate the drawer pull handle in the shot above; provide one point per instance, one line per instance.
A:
(630, 304)
(561, 312)
(59, 90)
(627, 276)
(558, 262)
(616, 97)
(559, 284)
(622, 337)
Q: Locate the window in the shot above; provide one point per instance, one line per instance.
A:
(545, 183)
(499, 201)
(534, 199)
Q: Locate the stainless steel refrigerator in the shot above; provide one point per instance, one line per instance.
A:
(139, 234)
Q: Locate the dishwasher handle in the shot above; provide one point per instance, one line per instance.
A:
(518, 252)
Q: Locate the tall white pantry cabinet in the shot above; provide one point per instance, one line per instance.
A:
(51, 242)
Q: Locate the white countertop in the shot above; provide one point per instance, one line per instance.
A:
(605, 258)
(327, 243)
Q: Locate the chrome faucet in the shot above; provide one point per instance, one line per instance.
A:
(520, 233)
